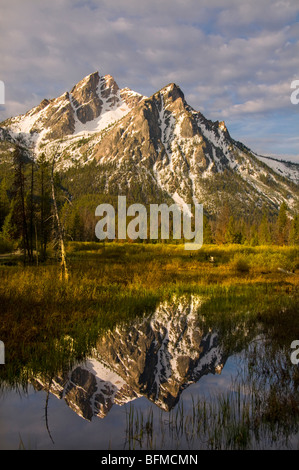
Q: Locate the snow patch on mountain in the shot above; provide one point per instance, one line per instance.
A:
(107, 117)
(166, 123)
(289, 170)
(159, 140)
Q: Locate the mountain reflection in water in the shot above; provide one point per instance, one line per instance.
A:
(156, 357)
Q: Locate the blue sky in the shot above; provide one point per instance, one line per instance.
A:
(234, 60)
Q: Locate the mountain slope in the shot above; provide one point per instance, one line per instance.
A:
(94, 100)
(189, 157)
(147, 148)
(287, 169)
(161, 356)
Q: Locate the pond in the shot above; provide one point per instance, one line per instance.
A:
(176, 378)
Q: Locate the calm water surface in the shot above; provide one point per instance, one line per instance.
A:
(171, 380)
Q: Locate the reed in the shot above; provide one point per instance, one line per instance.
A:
(246, 417)
(113, 283)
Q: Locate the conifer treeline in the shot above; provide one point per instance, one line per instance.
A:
(267, 230)
(27, 222)
(26, 208)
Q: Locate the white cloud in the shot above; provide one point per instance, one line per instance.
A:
(264, 98)
(231, 59)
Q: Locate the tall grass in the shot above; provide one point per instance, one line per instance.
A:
(114, 283)
(258, 411)
(47, 325)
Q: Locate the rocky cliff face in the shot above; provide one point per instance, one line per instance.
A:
(159, 144)
(86, 100)
(160, 356)
(62, 117)
(157, 357)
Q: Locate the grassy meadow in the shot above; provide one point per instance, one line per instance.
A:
(47, 322)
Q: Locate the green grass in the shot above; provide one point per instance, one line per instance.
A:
(234, 420)
(47, 325)
(259, 410)
(114, 283)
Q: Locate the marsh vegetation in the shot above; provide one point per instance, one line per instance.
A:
(250, 297)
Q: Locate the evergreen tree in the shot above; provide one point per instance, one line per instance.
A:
(232, 234)
(207, 231)
(31, 212)
(77, 227)
(282, 225)
(253, 237)
(19, 220)
(10, 231)
(44, 220)
(4, 201)
(294, 231)
(264, 233)
(221, 224)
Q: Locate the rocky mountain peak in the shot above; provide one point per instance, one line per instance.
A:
(108, 86)
(163, 355)
(85, 98)
(87, 84)
(43, 104)
(222, 126)
(172, 92)
(157, 143)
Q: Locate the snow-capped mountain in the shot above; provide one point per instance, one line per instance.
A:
(91, 105)
(150, 146)
(156, 357)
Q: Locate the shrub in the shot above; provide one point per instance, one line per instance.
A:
(6, 246)
(240, 264)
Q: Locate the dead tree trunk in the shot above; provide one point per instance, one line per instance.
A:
(64, 271)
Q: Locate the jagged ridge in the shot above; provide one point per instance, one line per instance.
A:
(159, 142)
(159, 358)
